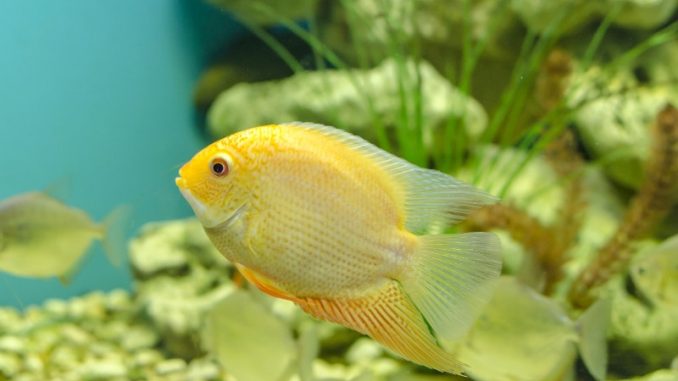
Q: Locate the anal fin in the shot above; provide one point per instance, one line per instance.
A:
(388, 316)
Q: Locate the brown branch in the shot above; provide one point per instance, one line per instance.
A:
(563, 156)
(647, 209)
(525, 229)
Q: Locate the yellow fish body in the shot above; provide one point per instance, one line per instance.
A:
(321, 217)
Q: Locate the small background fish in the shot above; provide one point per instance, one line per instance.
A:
(42, 237)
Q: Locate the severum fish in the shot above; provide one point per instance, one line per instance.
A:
(42, 237)
(323, 218)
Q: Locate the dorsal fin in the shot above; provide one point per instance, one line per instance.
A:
(432, 199)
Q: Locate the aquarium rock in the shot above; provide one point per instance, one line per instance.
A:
(645, 315)
(433, 26)
(614, 114)
(267, 12)
(539, 15)
(170, 247)
(179, 277)
(660, 375)
(643, 14)
(354, 100)
(534, 187)
(95, 337)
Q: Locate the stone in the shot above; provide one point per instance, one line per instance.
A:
(538, 15)
(34, 363)
(643, 14)
(63, 357)
(165, 251)
(118, 300)
(170, 366)
(147, 357)
(202, 370)
(10, 365)
(9, 319)
(94, 370)
(353, 100)
(267, 13)
(56, 307)
(12, 344)
(74, 335)
(364, 350)
(634, 14)
(138, 337)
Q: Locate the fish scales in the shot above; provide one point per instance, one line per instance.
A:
(348, 246)
(320, 217)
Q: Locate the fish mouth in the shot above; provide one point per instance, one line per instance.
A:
(181, 182)
(206, 215)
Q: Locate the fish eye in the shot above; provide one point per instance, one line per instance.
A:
(219, 166)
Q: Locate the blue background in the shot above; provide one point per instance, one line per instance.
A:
(95, 97)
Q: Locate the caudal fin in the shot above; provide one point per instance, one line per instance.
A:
(113, 241)
(451, 279)
(592, 326)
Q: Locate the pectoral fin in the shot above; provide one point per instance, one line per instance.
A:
(264, 284)
(389, 317)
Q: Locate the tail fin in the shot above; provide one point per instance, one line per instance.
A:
(451, 279)
(113, 241)
(592, 327)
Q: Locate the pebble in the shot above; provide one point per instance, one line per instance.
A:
(114, 330)
(202, 370)
(33, 316)
(102, 370)
(46, 338)
(27, 377)
(363, 350)
(9, 319)
(75, 335)
(12, 344)
(10, 364)
(170, 366)
(147, 357)
(56, 307)
(90, 338)
(77, 308)
(33, 363)
(385, 366)
(64, 357)
(138, 337)
(101, 348)
(118, 300)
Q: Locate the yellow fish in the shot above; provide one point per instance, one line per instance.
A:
(42, 237)
(323, 218)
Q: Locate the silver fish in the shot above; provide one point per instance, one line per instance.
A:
(42, 237)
